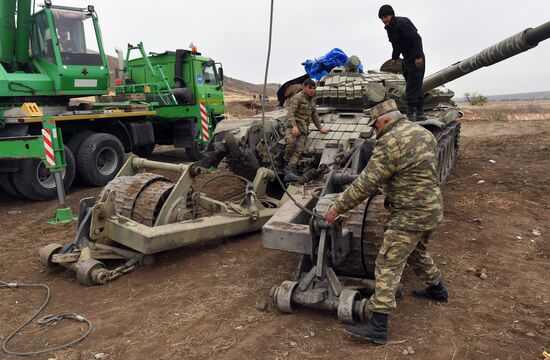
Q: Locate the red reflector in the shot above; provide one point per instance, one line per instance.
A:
(20, 120)
(118, 82)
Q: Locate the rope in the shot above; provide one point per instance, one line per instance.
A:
(42, 321)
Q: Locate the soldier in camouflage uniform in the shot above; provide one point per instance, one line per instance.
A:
(403, 165)
(301, 111)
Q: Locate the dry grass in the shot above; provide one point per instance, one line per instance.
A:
(507, 110)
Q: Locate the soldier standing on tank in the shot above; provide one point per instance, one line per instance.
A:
(403, 166)
(405, 40)
(301, 112)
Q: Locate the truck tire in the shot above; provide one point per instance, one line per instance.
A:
(74, 144)
(99, 159)
(35, 182)
(6, 183)
(195, 151)
(76, 140)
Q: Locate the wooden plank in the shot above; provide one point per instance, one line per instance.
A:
(120, 97)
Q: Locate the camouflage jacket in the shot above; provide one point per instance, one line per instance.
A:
(403, 165)
(301, 111)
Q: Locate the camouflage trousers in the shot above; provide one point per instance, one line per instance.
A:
(294, 147)
(399, 248)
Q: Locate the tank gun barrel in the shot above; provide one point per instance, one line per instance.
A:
(518, 43)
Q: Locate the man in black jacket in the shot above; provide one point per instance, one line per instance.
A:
(405, 40)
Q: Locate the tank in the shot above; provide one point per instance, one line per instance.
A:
(344, 98)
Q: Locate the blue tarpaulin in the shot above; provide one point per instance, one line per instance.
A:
(321, 66)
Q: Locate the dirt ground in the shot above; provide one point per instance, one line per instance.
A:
(208, 302)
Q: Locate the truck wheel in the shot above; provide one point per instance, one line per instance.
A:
(6, 183)
(76, 140)
(74, 144)
(99, 159)
(35, 181)
(195, 151)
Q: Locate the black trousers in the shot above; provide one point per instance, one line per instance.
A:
(413, 80)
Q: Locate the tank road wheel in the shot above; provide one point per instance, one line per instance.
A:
(6, 183)
(99, 159)
(346, 304)
(195, 151)
(91, 272)
(370, 235)
(282, 296)
(35, 182)
(45, 254)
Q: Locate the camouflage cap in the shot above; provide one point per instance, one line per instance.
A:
(383, 108)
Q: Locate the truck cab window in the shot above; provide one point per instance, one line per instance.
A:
(76, 37)
(209, 74)
(42, 39)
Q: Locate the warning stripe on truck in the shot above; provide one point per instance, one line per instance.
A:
(48, 147)
(204, 122)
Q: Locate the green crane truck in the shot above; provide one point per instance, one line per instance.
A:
(56, 54)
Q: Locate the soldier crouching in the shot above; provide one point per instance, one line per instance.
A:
(301, 112)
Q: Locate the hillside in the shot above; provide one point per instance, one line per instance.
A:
(247, 89)
(537, 95)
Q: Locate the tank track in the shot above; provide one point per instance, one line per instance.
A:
(150, 201)
(370, 235)
(127, 189)
(448, 143)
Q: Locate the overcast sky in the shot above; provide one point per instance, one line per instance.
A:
(235, 32)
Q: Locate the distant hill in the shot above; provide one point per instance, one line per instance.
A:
(537, 95)
(239, 86)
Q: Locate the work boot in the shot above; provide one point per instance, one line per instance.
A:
(420, 116)
(290, 173)
(435, 292)
(375, 330)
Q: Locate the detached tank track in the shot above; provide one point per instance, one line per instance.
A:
(150, 201)
(127, 189)
(371, 235)
(448, 142)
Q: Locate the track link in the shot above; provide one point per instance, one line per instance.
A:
(361, 260)
(127, 189)
(150, 201)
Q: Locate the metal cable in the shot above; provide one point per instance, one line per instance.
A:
(42, 321)
(198, 193)
(263, 122)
